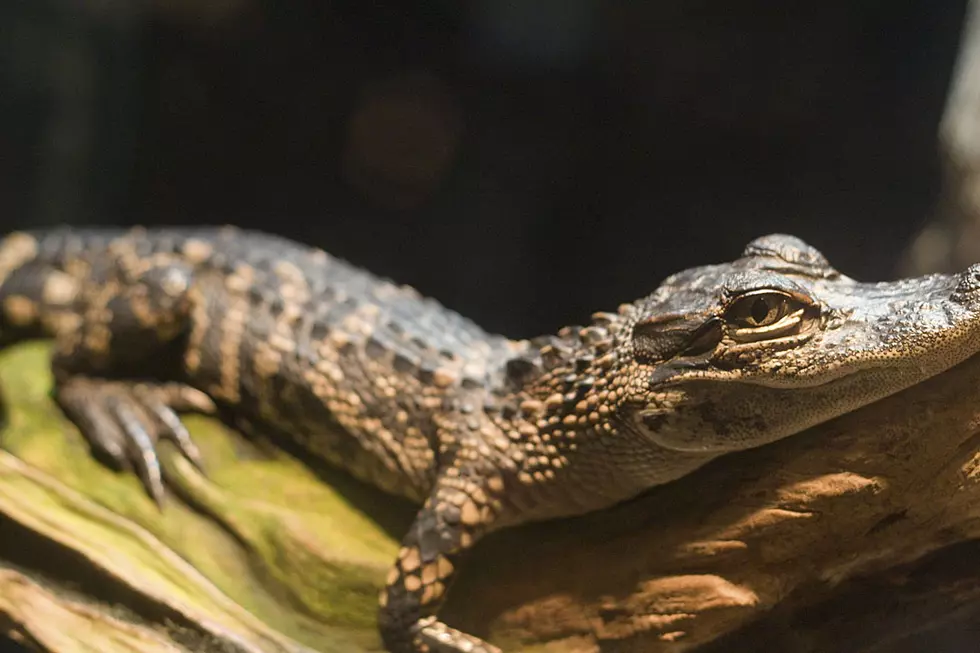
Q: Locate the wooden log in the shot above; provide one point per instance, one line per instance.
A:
(850, 537)
(260, 556)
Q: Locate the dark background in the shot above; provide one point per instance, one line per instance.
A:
(527, 163)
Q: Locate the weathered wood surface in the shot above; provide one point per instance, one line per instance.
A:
(850, 537)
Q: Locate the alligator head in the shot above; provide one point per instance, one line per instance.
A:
(727, 357)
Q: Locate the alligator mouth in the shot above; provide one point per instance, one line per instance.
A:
(714, 418)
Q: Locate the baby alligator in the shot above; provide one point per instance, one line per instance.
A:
(483, 432)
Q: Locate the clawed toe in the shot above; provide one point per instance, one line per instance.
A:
(170, 426)
(123, 422)
(437, 637)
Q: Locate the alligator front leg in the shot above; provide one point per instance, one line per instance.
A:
(116, 376)
(459, 511)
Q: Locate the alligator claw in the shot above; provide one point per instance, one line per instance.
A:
(124, 421)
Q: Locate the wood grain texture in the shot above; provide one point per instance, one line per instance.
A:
(854, 536)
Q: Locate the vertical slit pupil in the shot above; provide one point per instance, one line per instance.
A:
(761, 308)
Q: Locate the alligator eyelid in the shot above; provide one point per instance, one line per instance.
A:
(785, 323)
(732, 297)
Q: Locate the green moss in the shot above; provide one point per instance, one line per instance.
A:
(276, 542)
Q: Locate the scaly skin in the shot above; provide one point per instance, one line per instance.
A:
(283, 341)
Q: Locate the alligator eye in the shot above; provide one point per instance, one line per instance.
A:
(760, 309)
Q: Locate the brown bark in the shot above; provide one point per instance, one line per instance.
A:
(853, 536)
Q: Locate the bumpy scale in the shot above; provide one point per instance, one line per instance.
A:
(482, 431)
